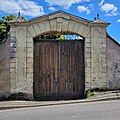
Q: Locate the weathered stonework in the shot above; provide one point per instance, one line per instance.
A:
(21, 66)
(113, 64)
(5, 68)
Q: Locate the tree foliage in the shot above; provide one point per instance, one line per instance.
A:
(4, 29)
(4, 26)
(10, 17)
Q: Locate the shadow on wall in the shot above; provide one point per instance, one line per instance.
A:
(4, 67)
(14, 96)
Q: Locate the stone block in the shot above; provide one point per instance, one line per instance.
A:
(30, 55)
(54, 16)
(88, 60)
(87, 49)
(12, 74)
(36, 28)
(87, 70)
(81, 29)
(47, 25)
(103, 65)
(29, 70)
(59, 27)
(65, 16)
(64, 25)
(103, 50)
(12, 70)
(88, 39)
(29, 50)
(86, 32)
(12, 60)
(87, 44)
(53, 24)
(12, 65)
(12, 55)
(42, 27)
(28, 34)
(104, 70)
(76, 27)
(103, 57)
(71, 25)
(59, 15)
(103, 45)
(29, 44)
(21, 52)
(29, 59)
(21, 36)
(13, 39)
(12, 50)
(31, 30)
(87, 55)
(30, 64)
(59, 20)
(30, 75)
(29, 40)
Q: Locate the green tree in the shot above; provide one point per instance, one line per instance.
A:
(9, 17)
(4, 26)
(4, 29)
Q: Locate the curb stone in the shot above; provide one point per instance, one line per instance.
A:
(40, 104)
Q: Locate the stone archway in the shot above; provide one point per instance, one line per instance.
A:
(21, 65)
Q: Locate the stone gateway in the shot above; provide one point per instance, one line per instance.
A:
(43, 68)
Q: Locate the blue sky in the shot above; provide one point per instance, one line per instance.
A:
(109, 10)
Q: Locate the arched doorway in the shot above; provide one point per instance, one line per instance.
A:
(58, 66)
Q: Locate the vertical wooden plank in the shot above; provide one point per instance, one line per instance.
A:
(40, 68)
(36, 68)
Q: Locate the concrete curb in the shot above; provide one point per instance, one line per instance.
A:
(51, 103)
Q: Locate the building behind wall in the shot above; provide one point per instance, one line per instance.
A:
(113, 63)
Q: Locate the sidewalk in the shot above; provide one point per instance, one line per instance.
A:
(112, 95)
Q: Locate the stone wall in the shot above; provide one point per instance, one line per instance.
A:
(113, 64)
(4, 68)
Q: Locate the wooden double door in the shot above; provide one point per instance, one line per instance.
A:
(58, 69)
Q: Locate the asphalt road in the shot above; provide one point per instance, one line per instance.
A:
(109, 110)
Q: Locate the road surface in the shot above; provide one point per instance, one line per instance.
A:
(107, 110)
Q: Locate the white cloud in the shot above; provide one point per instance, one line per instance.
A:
(118, 20)
(26, 7)
(84, 9)
(108, 8)
(64, 3)
(52, 8)
(101, 3)
(86, 0)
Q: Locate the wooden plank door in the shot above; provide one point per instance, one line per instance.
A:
(45, 70)
(58, 70)
(71, 71)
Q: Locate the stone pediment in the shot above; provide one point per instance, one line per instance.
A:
(59, 14)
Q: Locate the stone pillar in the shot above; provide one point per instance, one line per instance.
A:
(18, 61)
(98, 55)
(21, 59)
